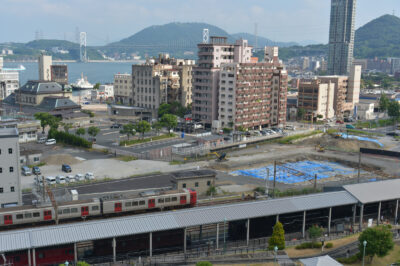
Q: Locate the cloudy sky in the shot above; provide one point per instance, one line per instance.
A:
(112, 20)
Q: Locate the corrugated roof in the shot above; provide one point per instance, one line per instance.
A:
(137, 224)
(375, 191)
(320, 261)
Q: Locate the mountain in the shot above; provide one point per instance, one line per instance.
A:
(378, 38)
(261, 41)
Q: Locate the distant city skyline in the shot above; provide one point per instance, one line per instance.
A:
(297, 20)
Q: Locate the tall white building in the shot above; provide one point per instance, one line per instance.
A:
(45, 62)
(10, 183)
(9, 81)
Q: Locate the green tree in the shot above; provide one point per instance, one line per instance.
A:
(157, 126)
(394, 111)
(212, 190)
(204, 263)
(96, 86)
(67, 126)
(383, 103)
(300, 113)
(379, 241)
(128, 129)
(241, 129)
(314, 232)
(227, 130)
(47, 119)
(143, 127)
(163, 109)
(278, 237)
(93, 131)
(80, 131)
(169, 121)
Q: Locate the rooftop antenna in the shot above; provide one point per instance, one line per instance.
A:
(206, 35)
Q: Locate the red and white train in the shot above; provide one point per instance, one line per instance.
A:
(97, 207)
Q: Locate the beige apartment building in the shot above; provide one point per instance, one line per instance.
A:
(252, 95)
(45, 62)
(316, 98)
(206, 75)
(123, 90)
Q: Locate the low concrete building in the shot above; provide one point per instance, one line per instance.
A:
(199, 180)
(122, 110)
(30, 157)
(27, 129)
(364, 111)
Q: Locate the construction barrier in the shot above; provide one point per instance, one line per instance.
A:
(395, 154)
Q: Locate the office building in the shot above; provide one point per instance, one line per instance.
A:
(316, 98)
(59, 73)
(10, 184)
(45, 62)
(341, 36)
(394, 65)
(123, 90)
(206, 75)
(252, 95)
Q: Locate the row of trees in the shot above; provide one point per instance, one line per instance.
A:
(174, 108)
(391, 107)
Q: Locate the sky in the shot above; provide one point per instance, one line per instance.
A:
(111, 20)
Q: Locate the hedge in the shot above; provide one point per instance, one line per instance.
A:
(308, 245)
(69, 138)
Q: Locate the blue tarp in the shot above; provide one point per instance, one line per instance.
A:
(347, 136)
(298, 171)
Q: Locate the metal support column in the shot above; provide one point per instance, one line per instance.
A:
(29, 257)
(379, 213)
(329, 220)
(396, 212)
(217, 238)
(184, 241)
(277, 218)
(151, 244)
(248, 232)
(75, 254)
(304, 224)
(114, 247)
(33, 257)
(361, 217)
(354, 215)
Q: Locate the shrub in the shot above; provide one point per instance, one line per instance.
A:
(68, 138)
(329, 245)
(203, 263)
(90, 113)
(350, 260)
(278, 237)
(308, 245)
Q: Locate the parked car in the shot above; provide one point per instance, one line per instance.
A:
(60, 179)
(350, 126)
(70, 179)
(66, 168)
(50, 142)
(36, 170)
(79, 177)
(26, 170)
(51, 180)
(116, 125)
(339, 122)
(41, 140)
(89, 176)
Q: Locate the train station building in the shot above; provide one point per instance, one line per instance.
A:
(352, 209)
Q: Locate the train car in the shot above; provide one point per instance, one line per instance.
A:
(79, 209)
(25, 214)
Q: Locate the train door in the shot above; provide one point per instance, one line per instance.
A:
(152, 203)
(183, 200)
(47, 215)
(84, 211)
(193, 198)
(8, 219)
(118, 207)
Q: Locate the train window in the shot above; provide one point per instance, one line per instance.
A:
(20, 216)
(36, 214)
(160, 200)
(41, 255)
(74, 210)
(196, 184)
(95, 208)
(167, 199)
(28, 215)
(183, 185)
(128, 204)
(142, 202)
(66, 211)
(134, 203)
(174, 199)
(208, 183)
(59, 211)
(16, 259)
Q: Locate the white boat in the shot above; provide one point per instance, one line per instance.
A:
(82, 84)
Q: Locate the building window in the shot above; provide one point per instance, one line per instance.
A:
(1, 170)
(1, 190)
(9, 151)
(208, 183)
(11, 169)
(36, 159)
(12, 189)
(196, 184)
(184, 185)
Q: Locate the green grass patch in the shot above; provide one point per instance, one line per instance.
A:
(295, 192)
(289, 139)
(363, 133)
(126, 158)
(350, 260)
(139, 141)
(175, 162)
(26, 190)
(375, 124)
(38, 165)
(309, 245)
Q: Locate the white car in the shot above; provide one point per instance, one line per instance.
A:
(41, 140)
(79, 177)
(60, 179)
(89, 176)
(50, 142)
(51, 180)
(70, 179)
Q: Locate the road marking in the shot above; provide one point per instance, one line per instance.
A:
(112, 132)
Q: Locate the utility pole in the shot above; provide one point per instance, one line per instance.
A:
(266, 181)
(315, 183)
(273, 191)
(359, 166)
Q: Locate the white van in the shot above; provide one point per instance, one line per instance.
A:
(70, 179)
(51, 180)
(60, 179)
(50, 142)
(79, 177)
(42, 140)
(89, 176)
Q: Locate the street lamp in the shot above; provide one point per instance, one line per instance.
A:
(224, 235)
(364, 244)
(276, 251)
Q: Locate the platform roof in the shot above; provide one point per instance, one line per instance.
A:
(375, 191)
(137, 224)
